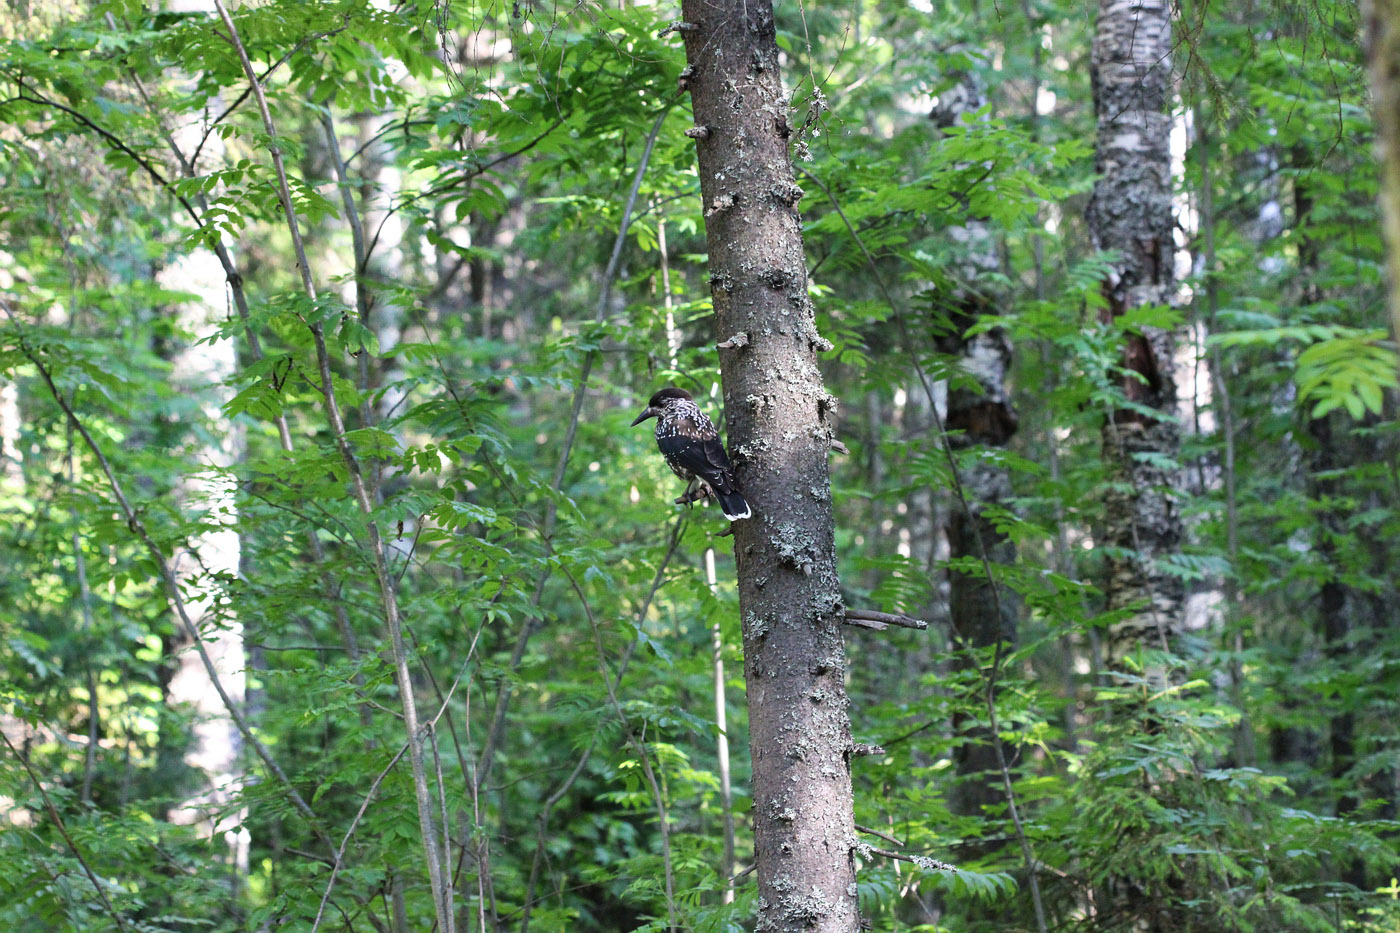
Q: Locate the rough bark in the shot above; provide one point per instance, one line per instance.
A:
(1382, 19)
(1130, 213)
(780, 422)
(979, 415)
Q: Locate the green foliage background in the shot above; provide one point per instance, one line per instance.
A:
(504, 140)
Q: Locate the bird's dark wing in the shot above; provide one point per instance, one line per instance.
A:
(704, 456)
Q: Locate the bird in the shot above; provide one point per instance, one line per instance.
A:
(690, 444)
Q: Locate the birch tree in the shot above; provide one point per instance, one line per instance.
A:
(1130, 215)
(1382, 35)
(212, 557)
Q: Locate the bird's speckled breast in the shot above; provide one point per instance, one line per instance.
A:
(672, 422)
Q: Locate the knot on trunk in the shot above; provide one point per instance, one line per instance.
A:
(720, 203)
(786, 192)
(776, 278)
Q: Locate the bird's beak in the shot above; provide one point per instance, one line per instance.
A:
(646, 413)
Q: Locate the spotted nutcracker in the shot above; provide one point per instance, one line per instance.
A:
(690, 444)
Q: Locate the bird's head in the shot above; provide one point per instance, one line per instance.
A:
(659, 402)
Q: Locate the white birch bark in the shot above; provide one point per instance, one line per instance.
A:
(201, 370)
(1130, 213)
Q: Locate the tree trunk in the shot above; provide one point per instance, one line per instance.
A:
(780, 422)
(201, 370)
(977, 417)
(1131, 213)
(11, 424)
(1383, 54)
(1337, 451)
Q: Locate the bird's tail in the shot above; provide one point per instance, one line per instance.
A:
(733, 505)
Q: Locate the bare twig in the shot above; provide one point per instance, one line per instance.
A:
(676, 26)
(699, 493)
(875, 832)
(527, 628)
(345, 840)
(855, 616)
(438, 876)
(923, 861)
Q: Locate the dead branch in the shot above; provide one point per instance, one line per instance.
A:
(857, 616)
(875, 832)
(922, 861)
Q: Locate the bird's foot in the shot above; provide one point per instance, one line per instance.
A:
(693, 495)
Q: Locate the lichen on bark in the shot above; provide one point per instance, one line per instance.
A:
(1130, 214)
(781, 425)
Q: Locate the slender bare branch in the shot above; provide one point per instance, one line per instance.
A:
(855, 616)
(63, 831)
(438, 876)
(875, 832)
(354, 824)
(527, 628)
(171, 585)
(923, 861)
